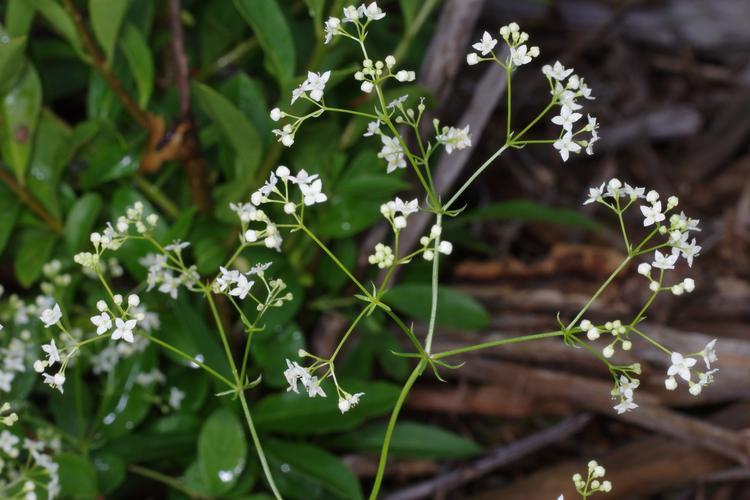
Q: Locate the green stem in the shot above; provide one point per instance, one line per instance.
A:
(256, 441)
(599, 292)
(476, 174)
(535, 120)
(348, 332)
(434, 289)
(497, 343)
(507, 119)
(391, 426)
(223, 335)
(170, 481)
(155, 194)
(188, 357)
(619, 211)
(652, 341)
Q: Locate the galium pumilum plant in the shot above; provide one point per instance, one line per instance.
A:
(123, 325)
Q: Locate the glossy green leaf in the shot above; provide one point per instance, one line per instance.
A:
(140, 61)
(146, 447)
(18, 17)
(297, 414)
(107, 156)
(528, 210)
(11, 60)
(456, 309)
(19, 114)
(77, 477)
(9, 207)
(311, 472)
(219, 28)
(222, 450)
(72, 410)
(316, 9)
(271, 29)
(34, 250)
(50, 155)
(56, 15)
(247, 94)
(411, 440)
(106, 18)
(110, 471)
(81, 220)
(236, 127)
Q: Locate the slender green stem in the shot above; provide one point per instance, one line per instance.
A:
(497, 343)
(157, 196)
(507, 92)
(434, 289)
(619, 212)
(474, 176)
(599, 291)
(535, 120)
(652, 341)
(256, 441)
(348, 332)
(190, 358)
(170, 481)
(392, 425)
(350, 112)
(223, 335)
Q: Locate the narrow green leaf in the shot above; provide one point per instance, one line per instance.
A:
(9, 208)
(106, 18)
(456, 309)
(221, 451)
(236, 128)
(311, 472)
(19, 114)
(271, 29)
(410, 439)
(56, 15)
(140, 60)
(409, 10)
(11, 60)
(81, 220)
(34, 250)
(51, 151)
(18, 17)
(527, 210)
(315, 9)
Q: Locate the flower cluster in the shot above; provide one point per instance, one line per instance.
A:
(518, 52)
(360, 17)
(296, 374)
(683, 366)
(593, 483)
(166, 271)
(441, 246)
(236, 284)
(31, 471)
(454, 138)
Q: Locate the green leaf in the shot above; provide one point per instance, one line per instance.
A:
(267, 20)
(19, 114)
(34, 250)
(77, 477)
(316, 9)
(236, 128)
(221, 450)
(81, 220)
(106, 17)
(272, 347)
(18, 17)
(456, 309)
(219, 28)
(140, 60)
(527, 210)
(49, 157)
(110, 470)
(11, 60)
(409, 440)
(9, 207)
(247, 94)
(311, 472)
(409, 10)
(297, 414)
(58, 17)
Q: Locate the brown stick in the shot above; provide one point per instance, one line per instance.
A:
(100, 63)
(190, 152)
(30, 202)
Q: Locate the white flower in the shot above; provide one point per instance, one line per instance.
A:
(522, 55)
(293, 374)
(690, 251)
(397, 101)
(124, 330)
(566, 118)
(53, 355)
(312, 193)
(371, 12)
(331, 28)
(226, 278)
(625, 406)
(455, 138)
(558, 71)
(348, 402)
(259, 269)
(680, 366)
(566, 145)
(8, 443)
(709, 353)
(486, 45)
(707, 378)
(277, 114)
(313, 387)
(351, 14)
(285, 134)
(372, 128)
(6, 379)
(628, 386)
(177, 246)
(633, 192)
(51, 316)
(316, 84)
(594, 194)
(406, 207)
(242, 288)
(392, 152)
(652, 214)
(169, 284)
(175, 397)
(665, 262)
(55, 381)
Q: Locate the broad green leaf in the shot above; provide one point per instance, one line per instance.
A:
(247, 94)
(297, 414)
(110, 471)
(72, 410)
(50, 154)
(9, 207)
(410, 439)
(311, 472)
(107, 156)
(18, 17)
(236, 128)
(19, 114)
(269, 24)
(210, 252)
(81, 220)
(527, 210)
(316, 9)
(77, 477)
(56, 15)
(272, 347)
(219, 28)
(34, 250)
(455, 309)
(140, 60)
(106, 18)
(146, 447)
(11, 60)
(222, 450)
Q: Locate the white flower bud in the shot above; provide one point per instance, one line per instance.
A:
(614, 183)
(678, 289)
(133, 300)
(251, 236)
(652, 196)
(390, 61)
(95, 238)
(428, 255)
(39, 365)
(445, 247)
(606, 486)
(290, 208)
(608, 351)
(585, 325)
(366, 87)
(399, 222)
(435, 231)
(472, 59)
(695, 389)
(688, 284)
(672, 202)
(282, 172)
(287, 140)
(344, 405)
(644, 268)
(101, 305)
(627, 345)
(592, 333)
(402, 76)
(118, 299)
(670, 383)
(654, 286)
(122, 226)
(359, 76)
(152, 219)
(277, 114)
